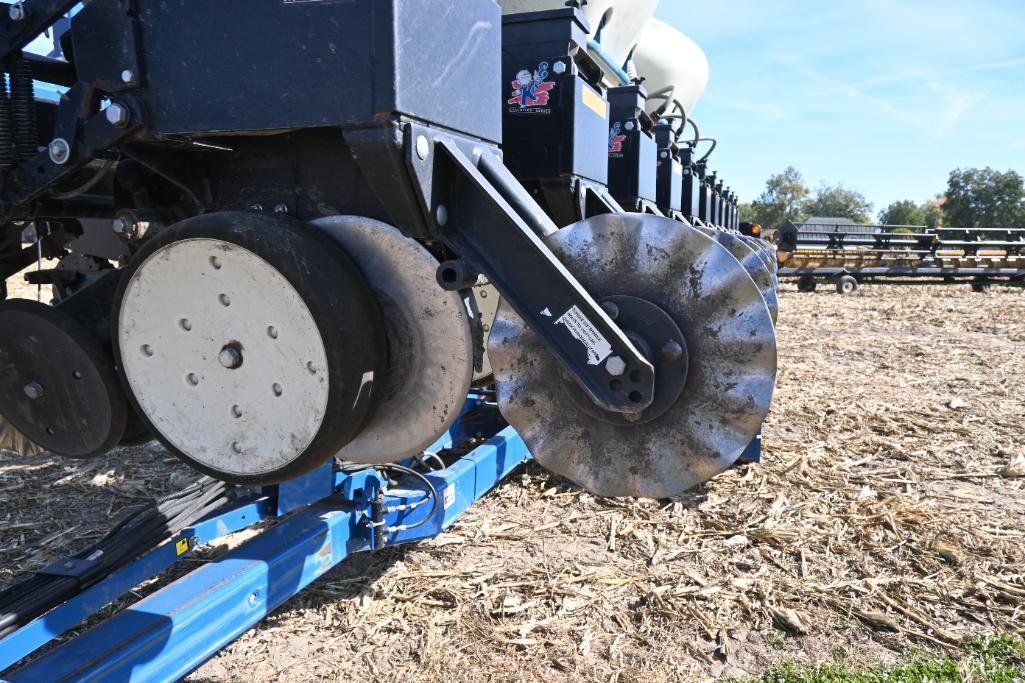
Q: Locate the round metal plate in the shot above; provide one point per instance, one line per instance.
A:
(179, 312)
(58, 386)
(430, 346)
(730, 340)
(252, 345)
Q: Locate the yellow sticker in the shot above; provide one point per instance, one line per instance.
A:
(182, 546)
(594, 101)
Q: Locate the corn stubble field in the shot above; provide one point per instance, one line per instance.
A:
(887, 517)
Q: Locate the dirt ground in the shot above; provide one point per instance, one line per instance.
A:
(888, 516)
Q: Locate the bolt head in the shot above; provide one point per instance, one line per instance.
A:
(611, 309)
(629, 125)
(123, 226)
(280, 210)
(127, 75)
(117, 115)
(672, 351)
(559, 68)
(60, 151)
(441, 214)
(34, 390)
(16, 12)
(423, 147)
(615, 366)
(256, 207)
(230, 357)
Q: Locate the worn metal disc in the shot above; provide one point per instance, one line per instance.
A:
(730, 344)
(765, 252)
(252, 345)
(58, 386)
(750, 257)
(430, 345)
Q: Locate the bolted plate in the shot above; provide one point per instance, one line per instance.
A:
(252, 345)
(58, 387)
(730, 344)
(430, 347)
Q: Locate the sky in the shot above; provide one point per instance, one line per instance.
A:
(884, 96)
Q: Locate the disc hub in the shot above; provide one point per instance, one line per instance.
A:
(660, 341)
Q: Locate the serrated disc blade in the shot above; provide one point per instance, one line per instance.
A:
(730, 340)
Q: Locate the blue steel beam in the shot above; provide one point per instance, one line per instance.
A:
(169, 633)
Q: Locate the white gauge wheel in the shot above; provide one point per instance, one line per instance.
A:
(223, 356)
(251, 345)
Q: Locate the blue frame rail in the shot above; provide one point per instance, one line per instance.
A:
(171, 632)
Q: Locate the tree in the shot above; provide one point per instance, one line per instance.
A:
(904, 212)
(781, 201)
(985, 198)
(837, 201)
(933, 211)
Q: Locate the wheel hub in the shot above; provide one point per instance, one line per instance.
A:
(660, 340)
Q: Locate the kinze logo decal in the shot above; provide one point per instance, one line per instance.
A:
(531, 90)
(616, 139)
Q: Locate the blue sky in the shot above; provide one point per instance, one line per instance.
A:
(885, 96)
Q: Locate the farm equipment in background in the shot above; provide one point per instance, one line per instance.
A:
(294, 269)
(847, 254)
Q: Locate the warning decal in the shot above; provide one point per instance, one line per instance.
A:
(584, 331)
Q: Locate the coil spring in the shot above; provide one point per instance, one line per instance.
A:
(7, 156)
(23, 110)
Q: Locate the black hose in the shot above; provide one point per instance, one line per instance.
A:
(141, 530)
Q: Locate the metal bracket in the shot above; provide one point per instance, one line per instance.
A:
(482, 212)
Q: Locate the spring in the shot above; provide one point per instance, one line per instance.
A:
(23, 110)
(7, 158)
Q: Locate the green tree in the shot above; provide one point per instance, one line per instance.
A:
(837, 201)
(904, 212)
(781, 201)
(933, 211)
(985, 198)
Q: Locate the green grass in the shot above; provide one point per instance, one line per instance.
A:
(993, 659)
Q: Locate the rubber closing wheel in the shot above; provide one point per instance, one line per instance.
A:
(731, 361)
(430, 347)
(251, 345)
(58, 386)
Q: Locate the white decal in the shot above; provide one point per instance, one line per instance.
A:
(450, 496)
(584, 331)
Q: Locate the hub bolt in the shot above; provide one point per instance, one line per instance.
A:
(117, 115)
(672, 352)
(17, 12)
(611, 309)
(34, 390)
(230, 357)
(615, 366)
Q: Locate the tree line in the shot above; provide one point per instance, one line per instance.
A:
(975, 198)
